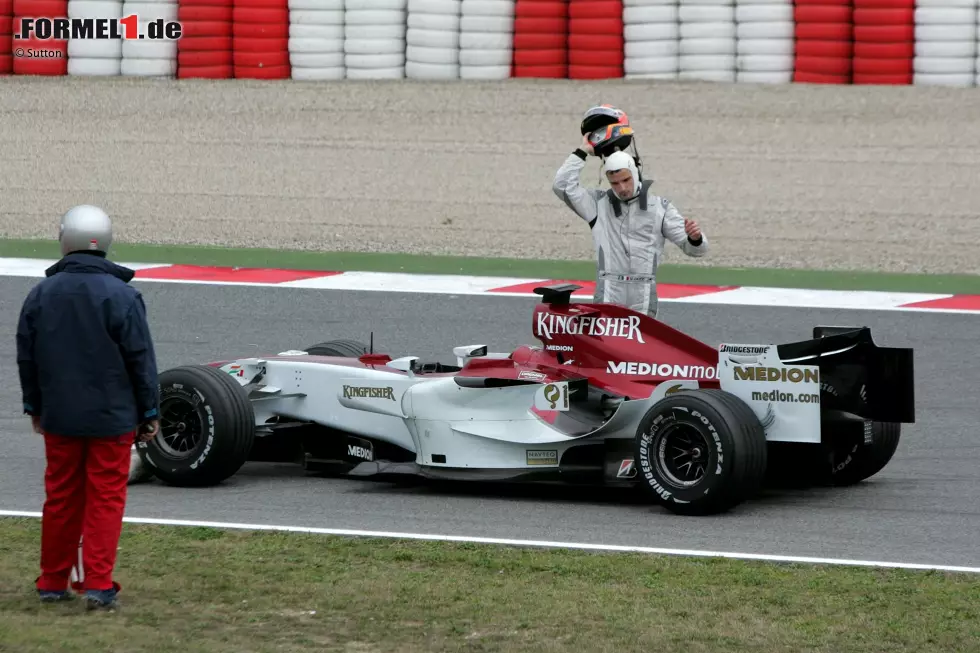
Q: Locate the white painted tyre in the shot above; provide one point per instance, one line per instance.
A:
(95, 9)
(755, 77)
(651, 32)
(706, 13)
(148, 67)
(374, 32)
(316, 5)
(432, 38)
(946, 3)
(317, 32)
(966, 49)
(374, 17)
(650, 14)
(961, 80)
(944, 66)
(485, 58)
(149, 49)
(700, 62)
(417, 70)
(945, 16)
(783, 30)
(92, 49)
(500, 8)
(764, 13)
(380, 61)
(395, 72)
(311, 17)
(298, 45)
(486, 41)
(376, 5)
(946, 32)
(469, 23)
(764, 63)
(374, 46)
(720, 75)
(639, 49)
(317, 59)
(647, 3)
(755, 47)
(650, 65)
(707, 46)
(318, 74)
(147, 12)
(707, 30)
(484, 72)
(644, 76)
(451, 7)
(443, 22)
(435, 56)
(96, 67)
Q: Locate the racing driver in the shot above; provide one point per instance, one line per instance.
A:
(629, 223)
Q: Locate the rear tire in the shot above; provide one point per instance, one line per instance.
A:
(851, 460)
(342, 348)
(725, 445)
(207, 427)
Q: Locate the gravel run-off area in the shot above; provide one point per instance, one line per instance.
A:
(790, 176)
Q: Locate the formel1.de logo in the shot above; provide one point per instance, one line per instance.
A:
(128, 28)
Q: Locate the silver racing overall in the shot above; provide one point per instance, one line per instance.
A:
(629, 234)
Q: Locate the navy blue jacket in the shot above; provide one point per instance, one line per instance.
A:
(86, 358)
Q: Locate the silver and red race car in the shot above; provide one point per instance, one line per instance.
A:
(609, 396)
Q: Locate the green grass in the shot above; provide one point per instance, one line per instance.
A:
(531, 268)
(199, 590)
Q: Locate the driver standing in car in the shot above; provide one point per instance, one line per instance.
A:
(629, 223)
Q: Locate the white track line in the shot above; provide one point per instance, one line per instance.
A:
(531, 543)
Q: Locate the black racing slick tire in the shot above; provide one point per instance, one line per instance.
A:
(207, 428)
(854, 459)
(342, 348)
(700, 452)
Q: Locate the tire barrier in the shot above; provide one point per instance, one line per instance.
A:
(881, 42)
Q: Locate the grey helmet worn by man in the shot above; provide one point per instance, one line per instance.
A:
(629, 227)
(85, 228)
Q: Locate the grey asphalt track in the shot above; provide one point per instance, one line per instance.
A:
(923, 508)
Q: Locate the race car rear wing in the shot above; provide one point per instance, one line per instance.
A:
(858, 378)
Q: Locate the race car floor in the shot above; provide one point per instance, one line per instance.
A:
(923, 508)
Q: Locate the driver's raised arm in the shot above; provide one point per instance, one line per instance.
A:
(567, 187)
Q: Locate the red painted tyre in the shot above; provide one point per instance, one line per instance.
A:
(255, 45)
(540, 57)
(595, 41)
(260, 30)
(884, 33)
(596, 58)
(594, 72)
(540, 9)
(256, 72)
(262, 4)
(822, 13)
(540, 41)
(40, 9)
(205, 72)
(610, 26)
(871, 50)
(6, 24)
(261, 58)
(823, 3)
(824, 31)
(54, 65)
(7, 8)
(882, 66)
(197, 28)
(887, 16)
(803, 77)
(203, 13)
(204, 58)
(261, 15)
(551, 72)
(833, 49)
(540, 25)
(884, 4)
(205, 43)
(902, 79)
(589, 9)
(6, 64)
(207, 3)
(823, 65)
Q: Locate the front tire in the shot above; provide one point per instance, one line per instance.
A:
(343, 348)
(207, 428)
(700, 452)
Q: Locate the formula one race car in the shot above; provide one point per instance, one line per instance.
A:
(610, 397)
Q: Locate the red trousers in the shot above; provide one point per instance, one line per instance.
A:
(85, 485)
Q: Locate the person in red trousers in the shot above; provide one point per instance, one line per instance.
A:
(88, 377)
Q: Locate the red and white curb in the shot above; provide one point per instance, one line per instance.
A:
(518, 286)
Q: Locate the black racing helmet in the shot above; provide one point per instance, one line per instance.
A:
(609, 129)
